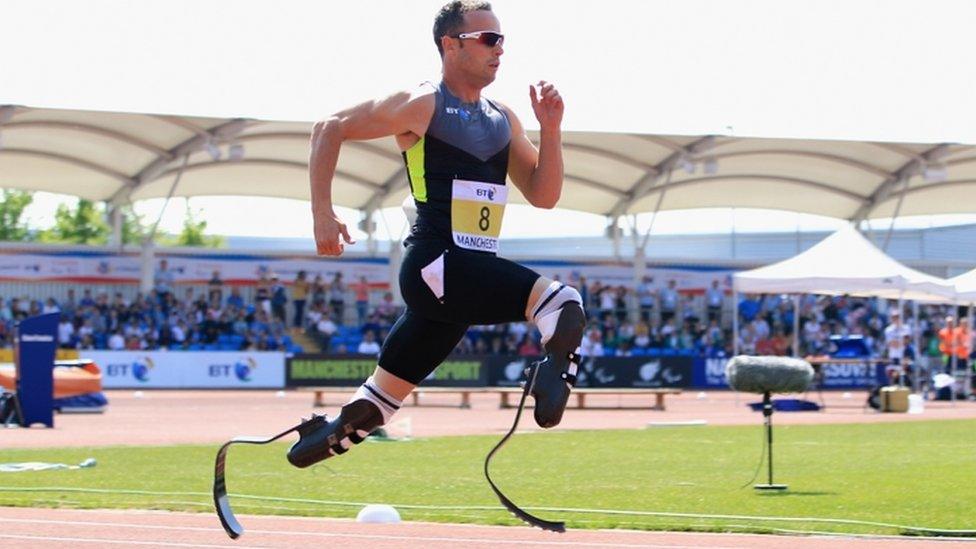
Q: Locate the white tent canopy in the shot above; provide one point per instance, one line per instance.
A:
(965, 286)
(845, 263)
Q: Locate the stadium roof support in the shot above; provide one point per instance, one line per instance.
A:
(122, 157)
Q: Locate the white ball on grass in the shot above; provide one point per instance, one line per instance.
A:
(378, 514)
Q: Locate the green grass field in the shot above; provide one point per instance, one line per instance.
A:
(870, 478)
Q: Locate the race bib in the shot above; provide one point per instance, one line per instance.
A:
(476, 214)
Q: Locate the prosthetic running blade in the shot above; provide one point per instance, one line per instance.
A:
(519, 513)
(221, 502)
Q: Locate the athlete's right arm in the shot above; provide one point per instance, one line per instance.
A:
(399, 114)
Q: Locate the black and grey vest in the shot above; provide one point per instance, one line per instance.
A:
(457, 173)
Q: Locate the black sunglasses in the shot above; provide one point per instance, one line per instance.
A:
(488, 38)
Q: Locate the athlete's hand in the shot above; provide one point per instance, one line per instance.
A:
(547, 104)
(328, 230)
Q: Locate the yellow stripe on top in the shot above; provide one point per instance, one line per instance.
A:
(415, 171)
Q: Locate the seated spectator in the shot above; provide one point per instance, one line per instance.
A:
(642, 336)
(624, 349)
(116, 342)
(369, 346)
(480, 347)
(387, 309)
(235, 299)
(592, 344)
(215, 288)
(50, 306)
(324, 330)
(782, 345)
(6, 315)
(66, 333)
(528, 347)
(749, 307)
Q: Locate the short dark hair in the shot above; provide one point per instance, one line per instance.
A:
(451, 17)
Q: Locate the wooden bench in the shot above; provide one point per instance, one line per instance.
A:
(581, 393)
(504, 392)
(414, 396)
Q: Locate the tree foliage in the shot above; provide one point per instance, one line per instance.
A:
(83, 224)
(86, 223)
(12, 225)
(194, 233)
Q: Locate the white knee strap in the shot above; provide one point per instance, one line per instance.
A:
(545, 314)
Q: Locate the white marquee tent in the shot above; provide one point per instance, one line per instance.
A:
(845, 263)
(965, 286)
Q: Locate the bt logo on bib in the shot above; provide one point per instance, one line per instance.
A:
(477, 208)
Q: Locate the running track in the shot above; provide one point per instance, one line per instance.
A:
(46, 528)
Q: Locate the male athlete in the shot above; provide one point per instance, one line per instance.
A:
(459, 148)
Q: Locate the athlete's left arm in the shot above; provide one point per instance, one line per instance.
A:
(539, 173)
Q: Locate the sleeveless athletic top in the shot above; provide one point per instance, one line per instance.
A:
(457, 174)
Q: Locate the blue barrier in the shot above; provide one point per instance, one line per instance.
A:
(34, 359)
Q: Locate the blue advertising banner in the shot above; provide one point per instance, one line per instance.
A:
(34, 359)
(710, 373)
(605, 372)
(851, 375)
(494, 371)
(190, 370)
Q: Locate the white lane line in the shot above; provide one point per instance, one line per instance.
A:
(101, 541)
(488, 541)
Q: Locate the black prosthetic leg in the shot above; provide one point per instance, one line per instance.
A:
(319, 440)
(553, 381)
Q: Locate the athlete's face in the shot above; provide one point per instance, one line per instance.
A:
(479, 61)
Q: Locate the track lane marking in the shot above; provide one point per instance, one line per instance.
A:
(390, 537)
(116, 542)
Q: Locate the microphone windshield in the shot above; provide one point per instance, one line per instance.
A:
(772, 374)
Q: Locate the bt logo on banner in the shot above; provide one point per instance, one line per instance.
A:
(138, 369)
(240, 369)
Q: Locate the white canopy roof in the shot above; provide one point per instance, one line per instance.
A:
(965, 286)
(120, 157)
(845, 263)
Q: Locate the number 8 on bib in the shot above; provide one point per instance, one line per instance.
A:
(476, 214)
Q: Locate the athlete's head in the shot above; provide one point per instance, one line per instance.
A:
(468, 37)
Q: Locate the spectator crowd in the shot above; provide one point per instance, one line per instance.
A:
(345, 318)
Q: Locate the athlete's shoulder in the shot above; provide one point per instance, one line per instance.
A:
(422, 94)
(419, 101)
(513, 120)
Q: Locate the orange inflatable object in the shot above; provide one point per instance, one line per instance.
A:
(71, 378)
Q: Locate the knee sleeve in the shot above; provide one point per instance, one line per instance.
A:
(551, 303)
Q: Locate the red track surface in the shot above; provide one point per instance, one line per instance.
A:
(179, 417)
(40, 528)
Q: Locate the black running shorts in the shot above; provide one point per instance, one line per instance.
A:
(446, 290)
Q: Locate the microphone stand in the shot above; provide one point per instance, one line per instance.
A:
(768, 420)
